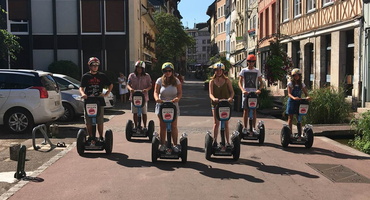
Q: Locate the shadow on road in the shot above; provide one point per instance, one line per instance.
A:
(168, 165)
(275, 169)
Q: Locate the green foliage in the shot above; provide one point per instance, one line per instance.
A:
(9, 46)
(172, 40)
(65, 67)
(265, 99)
(277, 64)
(234, 83)
(362, 129)
(328, 106)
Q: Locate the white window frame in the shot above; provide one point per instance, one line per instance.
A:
(297, 8)
(311, 5)
(285, 10)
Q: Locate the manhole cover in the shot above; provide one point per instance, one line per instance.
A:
(339, 173)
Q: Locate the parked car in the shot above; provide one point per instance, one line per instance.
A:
(71, 99)
(28, 98)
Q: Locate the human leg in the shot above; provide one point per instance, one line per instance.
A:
(174, 132)
(216, 124)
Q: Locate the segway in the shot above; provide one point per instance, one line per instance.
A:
(92, 105)
(168, 114)
(138, 101)
(250, 134)
(223, 114)
(305, 138)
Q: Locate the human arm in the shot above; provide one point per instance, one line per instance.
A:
(260, 85)
(240, 83)
(82, 92)
(306, 93)
(157, 88)
(149, 83)
(231, 91)
(290, 94)
(179, 93)
(211, 96)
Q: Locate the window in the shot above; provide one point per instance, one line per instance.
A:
(297, 8)
(115, 16)
(326, 2)
(311, 5)
(18, 16)
(91, 16)
(285, 10)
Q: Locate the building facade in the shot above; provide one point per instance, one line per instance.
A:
(118, 32)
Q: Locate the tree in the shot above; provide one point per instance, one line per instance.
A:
(172, 40)
(9, 45)
(277, 64)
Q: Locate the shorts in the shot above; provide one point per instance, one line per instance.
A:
(144, 109)
(292, 107)
(158, 105)
(99, 117)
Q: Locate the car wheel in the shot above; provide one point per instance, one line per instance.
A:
(19, 120)
(69, 113)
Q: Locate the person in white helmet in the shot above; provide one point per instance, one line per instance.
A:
(139, 80)
(295, 88)
(92, 84)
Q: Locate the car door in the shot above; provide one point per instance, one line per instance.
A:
(4, 93)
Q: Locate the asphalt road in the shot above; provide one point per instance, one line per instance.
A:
(265, 171)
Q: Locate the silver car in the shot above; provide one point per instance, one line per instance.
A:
(71, 99)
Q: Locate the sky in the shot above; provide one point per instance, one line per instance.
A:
(194, 11)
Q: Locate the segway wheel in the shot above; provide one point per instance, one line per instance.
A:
(129, 127)
(81, 140)
(208, 146)
(261, 137)
(239, 128)
(184, 150)
(285, 136)
(150, 130)
(308, 144)
(108, 143)
(155, 146)
(236, 151)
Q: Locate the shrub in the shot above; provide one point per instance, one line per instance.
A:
(65, 67)
(328, 106)
(265, 99)
(362, 136)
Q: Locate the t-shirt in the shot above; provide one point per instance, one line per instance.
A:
(94, 83)
(169, 92)
(250, 76)
(140, 83)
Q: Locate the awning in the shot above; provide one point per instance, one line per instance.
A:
(241, 63)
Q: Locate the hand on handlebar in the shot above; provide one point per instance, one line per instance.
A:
(258, 91)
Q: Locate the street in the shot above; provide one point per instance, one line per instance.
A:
(263, 171)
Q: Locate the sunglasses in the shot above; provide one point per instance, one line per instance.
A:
(164, 71)
(251, 61)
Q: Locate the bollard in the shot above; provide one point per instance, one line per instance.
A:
(54, 130)
(21, 163)
(14, 151)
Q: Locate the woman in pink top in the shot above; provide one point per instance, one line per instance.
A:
(139, 80)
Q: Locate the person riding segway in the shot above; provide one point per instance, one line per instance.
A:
(221, 94)
(297, 106)
(92, 84)
(167, 93)
(138, 101)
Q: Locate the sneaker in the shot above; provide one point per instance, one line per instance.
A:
(145, 129)
(244, 131)
(215, 144)
(101, 139)
(176, 148)
(296, 136)
(90, 138)
(162, 147)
